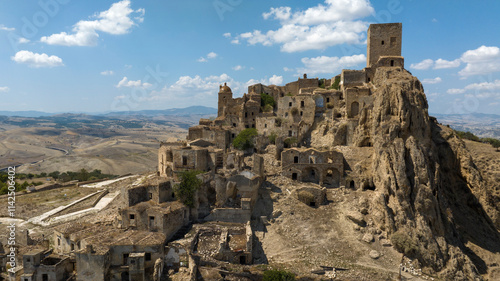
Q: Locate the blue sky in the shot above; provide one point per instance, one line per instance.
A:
(98, 56)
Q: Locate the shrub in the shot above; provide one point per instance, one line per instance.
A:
(244, 139)
(336, 83)
(290, 141)
(329, 105)
(278, 275)
(186, 189)
(322, 83)
(294, 111)
(494, 142)
(272, 137)
(267, 108)
(467, 135)
(266, 99)
(403, 243)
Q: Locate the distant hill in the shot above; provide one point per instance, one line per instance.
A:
(182, 112)
(480, 124)
(30, 113)
(192, 110)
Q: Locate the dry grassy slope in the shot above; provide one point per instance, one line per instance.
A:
(116, 151)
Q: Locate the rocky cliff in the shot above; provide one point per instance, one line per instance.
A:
(429, 194)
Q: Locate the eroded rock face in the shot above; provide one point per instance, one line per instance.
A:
(425, 180)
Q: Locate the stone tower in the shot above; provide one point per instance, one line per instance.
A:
(383, 40)
(225, 96)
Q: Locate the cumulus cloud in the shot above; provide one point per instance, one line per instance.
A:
(118, 19)
(107, 72)
(227, 35)
(438, 64)
(238, 67)
(425, 64)
(5, 28)
(191, 90)
(133, 84)
(4, 89)
(37, 60)
(273, 80)
(441, 63)
(23, 40)
(432, 80)
(482, 60)
(487, 86)
(455, 91)
(329, 65)
(333, 23)
(479, 90)
(210, 56)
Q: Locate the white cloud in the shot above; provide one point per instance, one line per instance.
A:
(116, 20)
(276, 80)
(37, 60)
(133, 84)
(235, 41)
(107, 72)
(329, 65)
(238, 67)
(482, 60)
(189, 90)
(4, 89)
(441, 63)
(432, 80)
(210, 56)
(425, 64)
(23, 40)
(3, 27)
(316, 28)
(455, 91)
(484, 86)
(287, 69)
(227, 35)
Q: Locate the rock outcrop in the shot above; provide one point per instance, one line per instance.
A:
(426, 184)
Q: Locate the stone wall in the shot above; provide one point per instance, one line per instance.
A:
(383, 40)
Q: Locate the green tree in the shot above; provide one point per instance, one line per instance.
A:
(244, 140)
(278, 275)
(336, 83)
(55, 175)
(186, 189)
(266, 99)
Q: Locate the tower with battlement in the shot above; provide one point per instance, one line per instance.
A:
(384, 40)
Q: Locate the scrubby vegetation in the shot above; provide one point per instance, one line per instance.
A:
(188, 186)
(470, 136)
(272, 138)
(336, 83)
(267, 100)
(244, 140)
(82, 175)
(404, 243)
(278, 275)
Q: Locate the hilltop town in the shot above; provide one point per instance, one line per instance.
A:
(346, 178)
